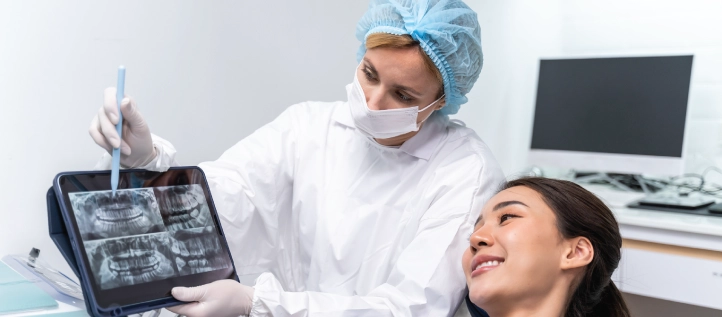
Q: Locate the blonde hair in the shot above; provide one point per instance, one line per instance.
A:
(377, 40)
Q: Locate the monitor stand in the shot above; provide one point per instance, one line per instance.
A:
(646, 186)
(652, 198)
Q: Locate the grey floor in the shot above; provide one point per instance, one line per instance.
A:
(641, 306)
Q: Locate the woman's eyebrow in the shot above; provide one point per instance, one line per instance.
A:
(508, 203)
(500, 206)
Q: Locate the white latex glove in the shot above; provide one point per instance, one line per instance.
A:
(220, 298)
(137, 146)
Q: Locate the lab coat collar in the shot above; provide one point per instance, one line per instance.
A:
(422, 145)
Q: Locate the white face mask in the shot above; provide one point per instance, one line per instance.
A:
(381, 124)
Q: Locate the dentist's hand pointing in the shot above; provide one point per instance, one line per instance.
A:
(137, 146)
(220, 298)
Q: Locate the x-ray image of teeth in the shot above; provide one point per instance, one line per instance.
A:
(198, 250)
(102, 214)
(183, 207)
(130, 261)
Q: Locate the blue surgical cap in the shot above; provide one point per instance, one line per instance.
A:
(448, 32)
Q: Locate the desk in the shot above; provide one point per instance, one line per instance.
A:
(671, 256)
(62, 307)
(74, 309)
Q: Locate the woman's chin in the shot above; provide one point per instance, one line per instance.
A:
(480, 295)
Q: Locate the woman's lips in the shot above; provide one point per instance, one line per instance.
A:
(481, 264)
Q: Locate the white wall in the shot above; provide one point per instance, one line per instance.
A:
(204, 75)
(639, 27)
(514, 35)
(517, 33)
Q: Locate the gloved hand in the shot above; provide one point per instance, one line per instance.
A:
(137, 146)
(220, 298)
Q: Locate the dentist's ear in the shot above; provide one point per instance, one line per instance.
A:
(441, 103)
(578, 252)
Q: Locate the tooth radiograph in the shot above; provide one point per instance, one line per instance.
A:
(130, 261)
(102, 214)
(198, 250)
(148, 234)
(183, 207)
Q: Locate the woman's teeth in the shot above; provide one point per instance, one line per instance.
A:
(488, 263)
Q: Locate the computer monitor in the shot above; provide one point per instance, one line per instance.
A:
(613, 115)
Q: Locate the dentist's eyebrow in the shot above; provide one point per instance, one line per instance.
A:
(370, 66)
(373, 71)
(408, 89)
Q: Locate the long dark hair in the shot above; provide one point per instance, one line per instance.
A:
(580, 213)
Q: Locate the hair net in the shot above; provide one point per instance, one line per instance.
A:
(448, 32)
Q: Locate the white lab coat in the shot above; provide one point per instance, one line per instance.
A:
(330, 223)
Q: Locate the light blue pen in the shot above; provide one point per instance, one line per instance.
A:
(118, 127)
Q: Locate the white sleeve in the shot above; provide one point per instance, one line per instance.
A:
(251, 186)
(426, 280)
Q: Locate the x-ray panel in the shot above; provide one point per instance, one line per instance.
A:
(183, 207)
(198, 250)
(130, 261)
(102, 214)
(159, 230)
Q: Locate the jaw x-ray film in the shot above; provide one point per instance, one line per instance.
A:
(183, 207)
(143, 235)
(130, 261)
(197, 250)
(103, 214)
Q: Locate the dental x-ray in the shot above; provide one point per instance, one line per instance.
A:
(198, 250)
(129, 261)
(102, 214)
(183, 207)
(147, 234)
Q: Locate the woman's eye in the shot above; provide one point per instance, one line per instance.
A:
(506, 217)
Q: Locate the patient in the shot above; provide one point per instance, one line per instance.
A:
(544, 247)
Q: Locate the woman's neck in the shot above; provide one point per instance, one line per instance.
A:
(549, 304)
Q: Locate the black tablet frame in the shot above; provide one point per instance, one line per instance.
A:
(140, 297)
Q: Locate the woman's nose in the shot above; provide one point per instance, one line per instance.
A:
(481, 237)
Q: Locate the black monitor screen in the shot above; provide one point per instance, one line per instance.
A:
(631, 105)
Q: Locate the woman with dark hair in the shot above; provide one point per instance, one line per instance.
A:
(544, 247)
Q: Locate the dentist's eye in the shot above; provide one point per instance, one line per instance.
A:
(403, 98)
(368, 74)
(506, 217)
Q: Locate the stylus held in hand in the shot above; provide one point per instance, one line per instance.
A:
(118, 127)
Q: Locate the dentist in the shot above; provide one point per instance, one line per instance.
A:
(351, 208)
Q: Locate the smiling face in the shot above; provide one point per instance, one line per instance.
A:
(516, 251)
